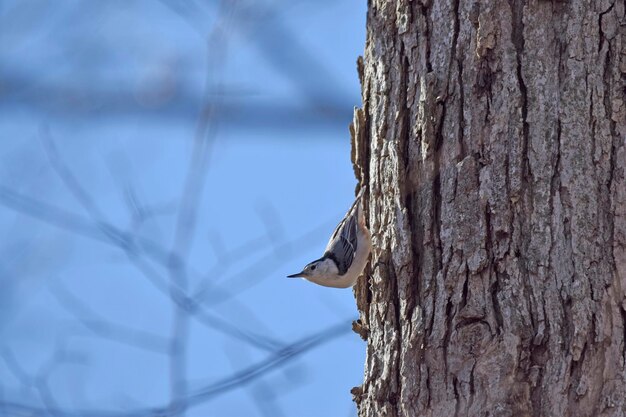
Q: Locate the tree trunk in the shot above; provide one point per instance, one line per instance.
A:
(492, 142)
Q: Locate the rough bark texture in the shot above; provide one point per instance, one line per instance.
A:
(492, 141)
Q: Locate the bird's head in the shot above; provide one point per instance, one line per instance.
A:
(317, 270)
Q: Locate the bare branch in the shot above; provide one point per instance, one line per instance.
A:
(104, 328)
(74, 223)
(210, 391)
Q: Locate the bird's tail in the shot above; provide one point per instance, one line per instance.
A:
(358, 206)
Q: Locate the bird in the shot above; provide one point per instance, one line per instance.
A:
(346, 254)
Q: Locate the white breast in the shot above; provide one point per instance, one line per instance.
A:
(356, 269)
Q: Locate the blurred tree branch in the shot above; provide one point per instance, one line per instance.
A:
(166, 265)
(208, 392)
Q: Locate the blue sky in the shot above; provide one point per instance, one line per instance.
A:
(99, 111)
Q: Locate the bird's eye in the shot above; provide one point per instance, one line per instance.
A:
(313, 267)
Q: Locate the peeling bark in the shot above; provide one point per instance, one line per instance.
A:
(492, 142)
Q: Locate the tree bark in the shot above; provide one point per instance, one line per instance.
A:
(492, 143)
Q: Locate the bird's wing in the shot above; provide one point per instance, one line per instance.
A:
(343, 242)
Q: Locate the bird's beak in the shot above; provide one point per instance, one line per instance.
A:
(298, 275)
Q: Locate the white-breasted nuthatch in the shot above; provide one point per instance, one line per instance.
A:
(346, 253)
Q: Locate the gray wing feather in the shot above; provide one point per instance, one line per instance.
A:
(343, 242)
